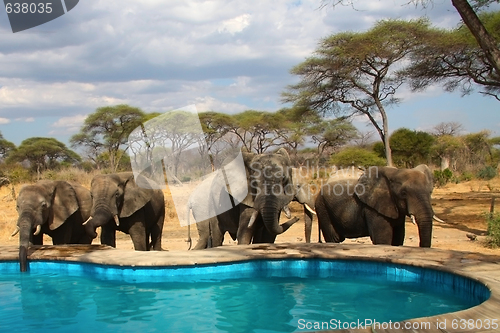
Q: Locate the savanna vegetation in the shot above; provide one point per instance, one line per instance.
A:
(351, 74)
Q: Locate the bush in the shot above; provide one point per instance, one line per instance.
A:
(466, 176)
(18, 174)
(487, 173)
(442, 177)
(493, 237)
(357, 157)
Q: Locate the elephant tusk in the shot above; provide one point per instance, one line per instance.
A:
(15, 232)
(252, 219)
(413, 219)
(438, 219)
(88, 220)
(117, 221)
(310, 209)
(287, 211)
(37, 230)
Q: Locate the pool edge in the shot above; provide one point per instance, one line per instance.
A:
(479, 267)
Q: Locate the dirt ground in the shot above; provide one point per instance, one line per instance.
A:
(462, 206)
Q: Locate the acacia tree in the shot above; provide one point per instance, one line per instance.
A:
(43, 153)
(107, 130)
(330, 135)
(357, 73)
(216, 127)
(453, 57)
(467, 11)
(5, 147)
(259, 130)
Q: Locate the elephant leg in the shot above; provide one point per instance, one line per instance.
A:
(379, 228)
(245, 232)
(108, 235)
(325, 224)
(156, 233)
(137, 232)
(203, 233)
(216, 234)
(308, 225)
(398, 235)
(265, 237)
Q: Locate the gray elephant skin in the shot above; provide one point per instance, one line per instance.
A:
(54, 208)
(376, 205)
(269, 188)
(118, 203)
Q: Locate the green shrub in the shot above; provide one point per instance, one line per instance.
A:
(493, 237)
(357, 157)
(466, 176)
(18, 174)
(487, 173)
(442, 177)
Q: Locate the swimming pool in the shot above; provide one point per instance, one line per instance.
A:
(277, 295)
(462, 275)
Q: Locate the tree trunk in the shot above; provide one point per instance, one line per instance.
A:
(445, 162)
(476, 27)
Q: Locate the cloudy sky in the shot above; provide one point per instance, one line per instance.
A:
(227, 56)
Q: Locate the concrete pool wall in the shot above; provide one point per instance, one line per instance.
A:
(482, 268)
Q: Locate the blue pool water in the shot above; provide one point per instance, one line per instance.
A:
(253, 296)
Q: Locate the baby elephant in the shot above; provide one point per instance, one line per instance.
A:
(55, 208)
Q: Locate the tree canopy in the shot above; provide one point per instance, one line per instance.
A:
(43, 153)
(454, 58)
(358, 72)
(5, 147)
(106, 130)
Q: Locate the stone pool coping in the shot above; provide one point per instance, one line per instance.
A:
(483, 268)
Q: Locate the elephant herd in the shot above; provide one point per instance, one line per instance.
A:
(374, 205)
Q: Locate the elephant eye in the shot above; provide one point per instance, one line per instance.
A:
(44, 204)
(403, 193)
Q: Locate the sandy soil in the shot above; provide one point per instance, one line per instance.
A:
(462, 206)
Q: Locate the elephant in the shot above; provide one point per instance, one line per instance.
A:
(119, 203)
(304, 195)
(55, 208)
(267, 188)
(376, 205)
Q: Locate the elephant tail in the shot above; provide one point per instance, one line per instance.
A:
(189, 240)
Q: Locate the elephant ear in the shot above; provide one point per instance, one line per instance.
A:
(233, 177)
(84, 199)
(134, 197)
(374, 191)
(64, 204)
(428, 175)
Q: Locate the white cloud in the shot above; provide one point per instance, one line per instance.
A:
(209, 103)
(26, 119)
(70, 121)
(236, 24)
(4, 121)
(159, 55)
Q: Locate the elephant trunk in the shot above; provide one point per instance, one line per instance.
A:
(99, 218)
(270, 211)
(25, 232)
(423, 216)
